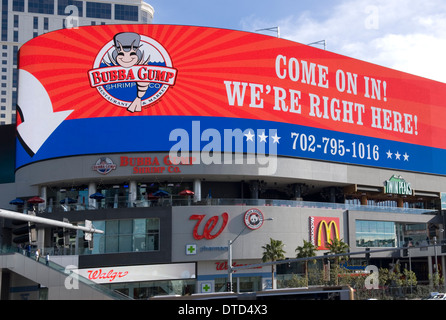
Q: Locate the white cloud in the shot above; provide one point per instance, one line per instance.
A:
(420, 54)
(408, 35)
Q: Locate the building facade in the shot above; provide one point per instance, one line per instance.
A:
(202, 140)
(23, 20)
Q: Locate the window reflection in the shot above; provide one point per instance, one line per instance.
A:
(390, 234)
(375, 233)
(127, 236)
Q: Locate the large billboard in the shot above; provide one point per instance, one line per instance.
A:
(143, 88)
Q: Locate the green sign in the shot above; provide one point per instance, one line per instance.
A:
(191, 249)
(397, 185)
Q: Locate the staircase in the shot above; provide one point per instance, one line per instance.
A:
(61, 284)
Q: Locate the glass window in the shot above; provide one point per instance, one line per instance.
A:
(127, 235)
(414, 234)
(125, 12)
(98, 10)
(111, 236)
(18, 5)
(139, 235)
(63, 4)
(4, 20)
(14, 100)
(144, 17)
(153, 227)
(375, 233)
(41, 6)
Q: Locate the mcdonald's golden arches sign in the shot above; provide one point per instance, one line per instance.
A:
(323, 230)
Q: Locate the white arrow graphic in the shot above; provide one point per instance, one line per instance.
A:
(39, 120)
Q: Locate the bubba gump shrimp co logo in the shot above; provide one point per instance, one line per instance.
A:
(132, 71)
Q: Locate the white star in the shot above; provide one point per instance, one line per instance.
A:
(249, 136)
(406, 156)
(389, 155)
(397, 156)
(275, 138)
(263, 137)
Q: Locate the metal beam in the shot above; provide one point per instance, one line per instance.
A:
(31, 218)
(330, 256)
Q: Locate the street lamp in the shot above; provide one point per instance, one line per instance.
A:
(230, 242)
(436, 261)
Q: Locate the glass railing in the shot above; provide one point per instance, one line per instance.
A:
(175, 201)
(64, 270)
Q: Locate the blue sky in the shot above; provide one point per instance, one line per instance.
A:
(231, 14)
(407, 35)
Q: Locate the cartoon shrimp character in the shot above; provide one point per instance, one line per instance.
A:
(127, 54)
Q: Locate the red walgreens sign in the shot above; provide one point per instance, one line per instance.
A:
(207, 231)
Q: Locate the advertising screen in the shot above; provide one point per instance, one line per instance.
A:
(143, 88)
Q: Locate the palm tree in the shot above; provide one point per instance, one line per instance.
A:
(273, 252)
(308, 250)
(337, 246)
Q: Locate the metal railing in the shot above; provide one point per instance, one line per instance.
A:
(175, 201)
(64, 270)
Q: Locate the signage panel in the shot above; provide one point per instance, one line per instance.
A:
(139, 273)
(141, 88)
(397, 185)
(323, 230)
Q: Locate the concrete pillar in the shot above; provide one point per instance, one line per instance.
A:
(41, 239)
(363, 200)
(197, 190)
(43, 195)
(132, 193)
(297, 191)
(332, 194)
(91, 190)
(254, 187)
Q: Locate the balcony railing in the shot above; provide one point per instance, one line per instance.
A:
(175, 201)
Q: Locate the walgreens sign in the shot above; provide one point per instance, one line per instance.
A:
(139, 273)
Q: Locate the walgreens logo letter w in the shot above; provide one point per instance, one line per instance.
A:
(209, 226)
